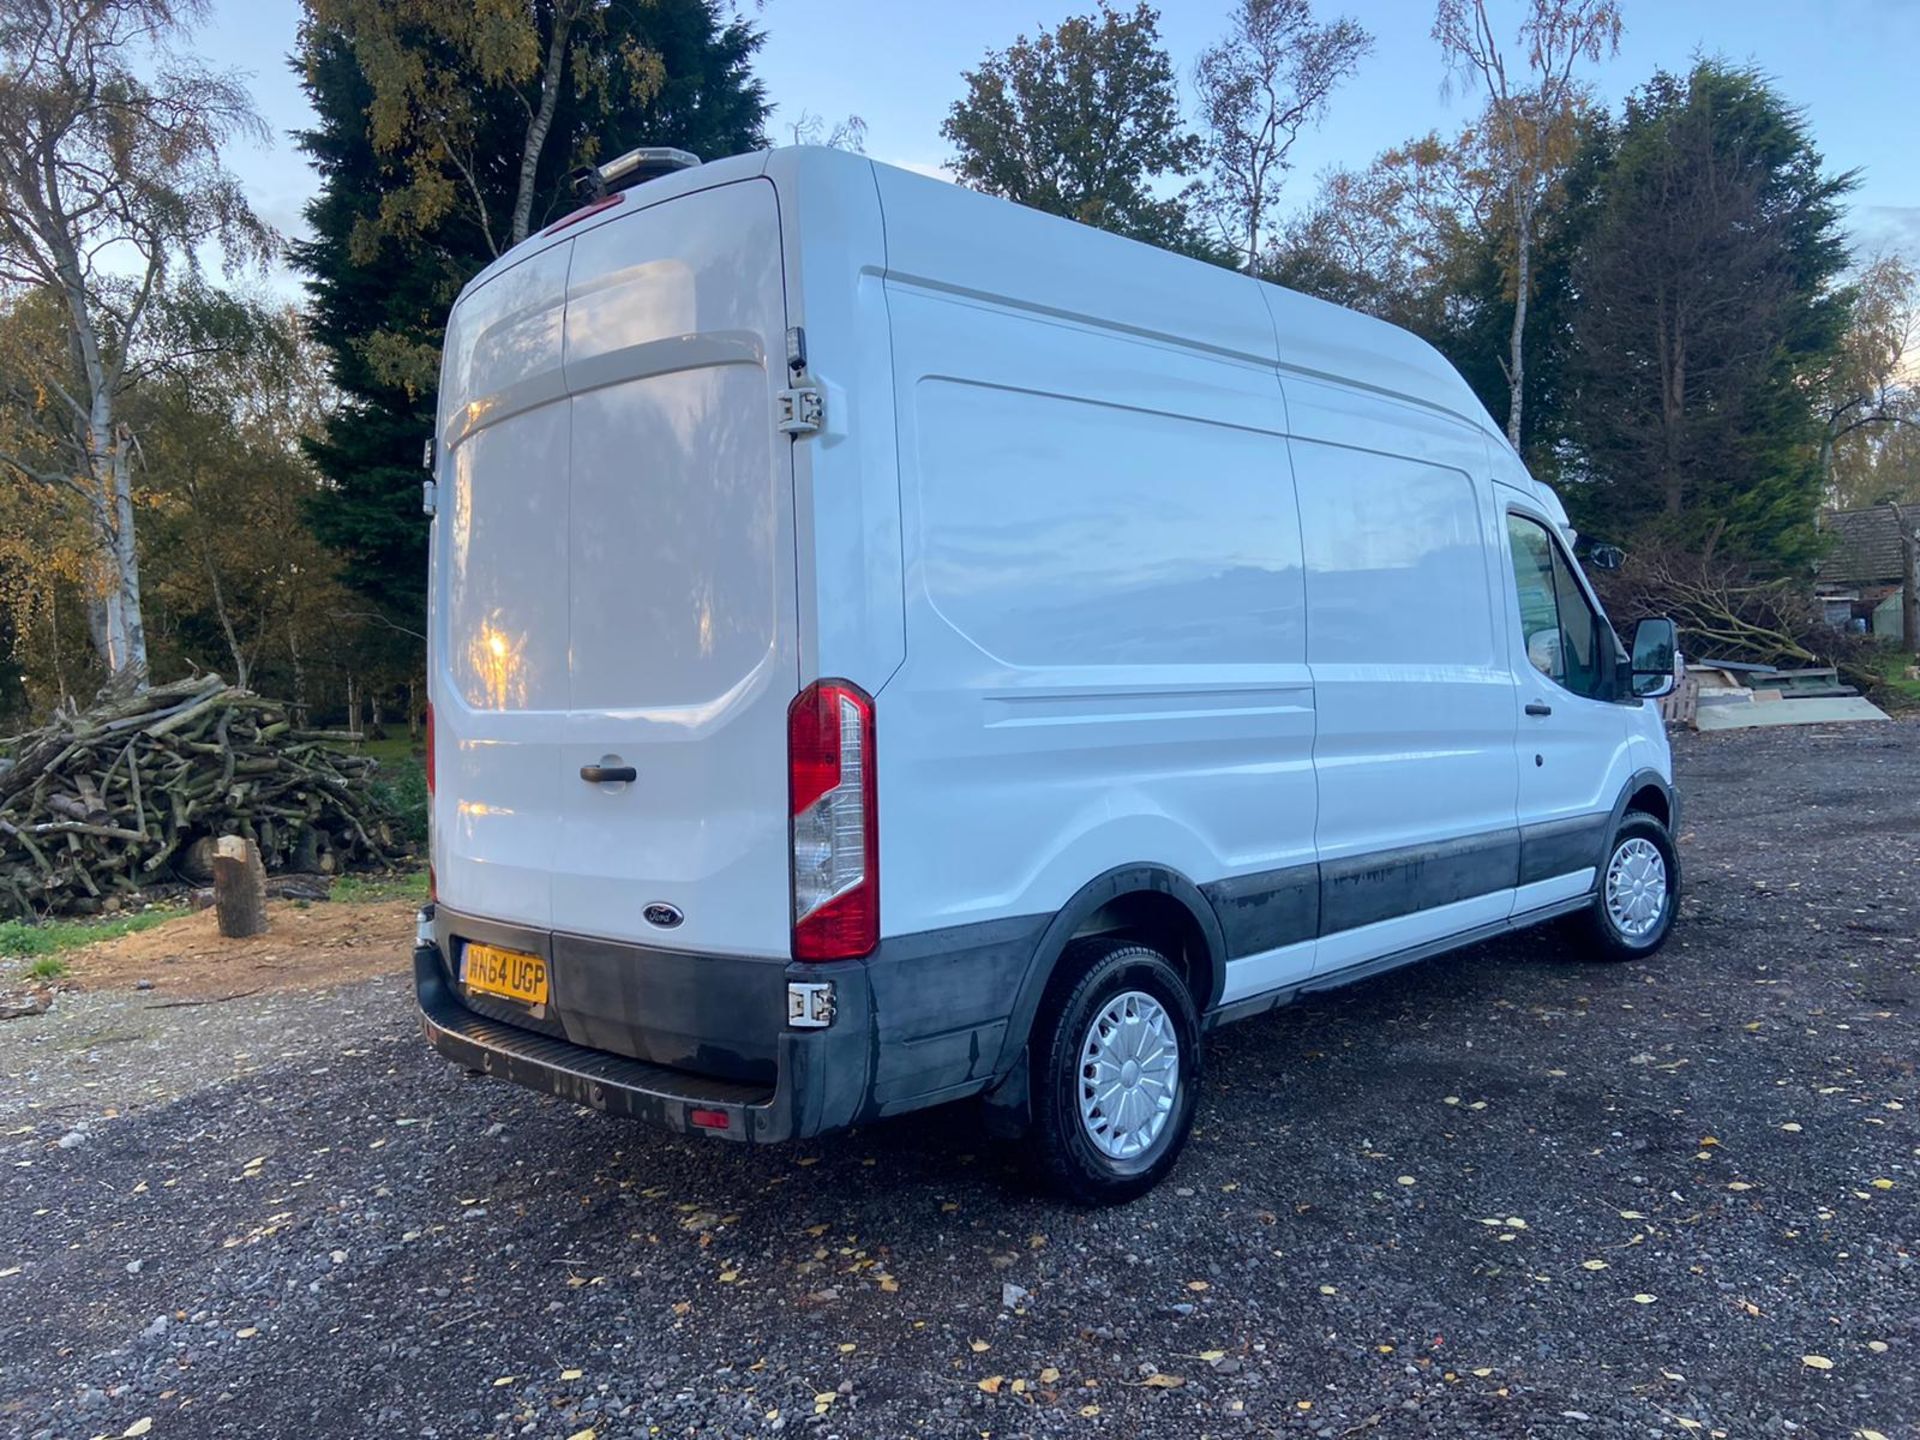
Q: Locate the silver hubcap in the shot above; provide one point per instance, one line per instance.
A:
(1636, 888)
(1129, 1073)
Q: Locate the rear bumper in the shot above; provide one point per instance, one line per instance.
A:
(820, 1085)
(920, 1022)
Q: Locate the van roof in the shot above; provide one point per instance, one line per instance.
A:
(949, 238)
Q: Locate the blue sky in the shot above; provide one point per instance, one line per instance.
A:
(897, 64)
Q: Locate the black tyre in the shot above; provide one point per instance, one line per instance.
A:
(1638, 893)
(1116, 1068)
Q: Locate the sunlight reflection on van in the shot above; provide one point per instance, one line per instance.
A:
(496, 668)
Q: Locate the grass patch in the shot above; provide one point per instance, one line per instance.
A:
(1896, 690)
(27, 938)
(47, 967)
(369, 889)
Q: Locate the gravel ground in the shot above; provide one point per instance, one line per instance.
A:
(1502, 1194)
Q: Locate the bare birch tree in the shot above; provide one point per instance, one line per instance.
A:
(1533, 101)
(1264, 83)
(110, 184)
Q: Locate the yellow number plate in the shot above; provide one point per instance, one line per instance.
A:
(498, 971)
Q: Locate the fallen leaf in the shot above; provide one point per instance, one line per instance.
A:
(979, 1347)
(1087, 1412)
(571, 1374)
(1484, 1371)
(992, 1384)
(587, 1434)
(139, 1427)
(10, 1270)
(1631, 1215)
(1870, 1435)
(1328, 1290)
(1791, 1127)
(247, 1333)
(1198, 1285)
(1644, 1299)
(727, 1277)
(1405, 1180)
(1049, 1375)
(1879, 1347)
(1211, 1355)
(1816, 1362)
(504, 1380)
(816, 1231)
(1738, 1185)
(889, 1284)
(1883, 1184)
(1164, 1382)
(1593, 1264)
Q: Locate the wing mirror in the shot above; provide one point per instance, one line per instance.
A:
(1654, 642)
(1606, 557)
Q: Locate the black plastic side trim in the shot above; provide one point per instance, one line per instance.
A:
(1561, 847)
(941, 1001)
(1383, 886)
(1268, 909)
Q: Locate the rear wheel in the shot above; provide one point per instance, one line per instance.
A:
(1639, 891)
(1118, 1060)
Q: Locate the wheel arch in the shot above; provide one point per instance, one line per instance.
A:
(1651, 793)
(1150, 902)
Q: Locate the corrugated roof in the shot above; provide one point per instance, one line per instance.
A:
(1866, 544)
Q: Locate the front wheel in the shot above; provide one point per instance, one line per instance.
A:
(1638, 893)
(1119, 1063)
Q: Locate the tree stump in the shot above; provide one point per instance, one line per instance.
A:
(239, 887)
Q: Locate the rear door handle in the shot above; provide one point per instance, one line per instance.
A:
(608, 774)
(1534, 707)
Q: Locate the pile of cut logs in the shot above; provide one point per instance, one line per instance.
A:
(135, 792)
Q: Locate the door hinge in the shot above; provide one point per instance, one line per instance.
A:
(429, 497)
(799, 410)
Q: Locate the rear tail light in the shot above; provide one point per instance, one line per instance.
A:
(836, 841)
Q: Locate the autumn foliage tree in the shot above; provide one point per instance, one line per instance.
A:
(110, 185)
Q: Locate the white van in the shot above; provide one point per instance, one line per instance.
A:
(890, 646)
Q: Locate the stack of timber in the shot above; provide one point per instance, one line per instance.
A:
(104, 803)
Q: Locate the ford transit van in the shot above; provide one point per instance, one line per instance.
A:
(890, 646)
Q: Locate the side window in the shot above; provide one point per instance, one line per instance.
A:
(1561, 630)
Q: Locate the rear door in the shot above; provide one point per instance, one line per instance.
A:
(680, 603)
(498, 625)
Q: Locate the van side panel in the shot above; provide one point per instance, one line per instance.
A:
(498, 618)
(1105, 657)
(1414, 749)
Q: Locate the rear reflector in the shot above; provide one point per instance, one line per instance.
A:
(835, 832)
(710, 1119)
